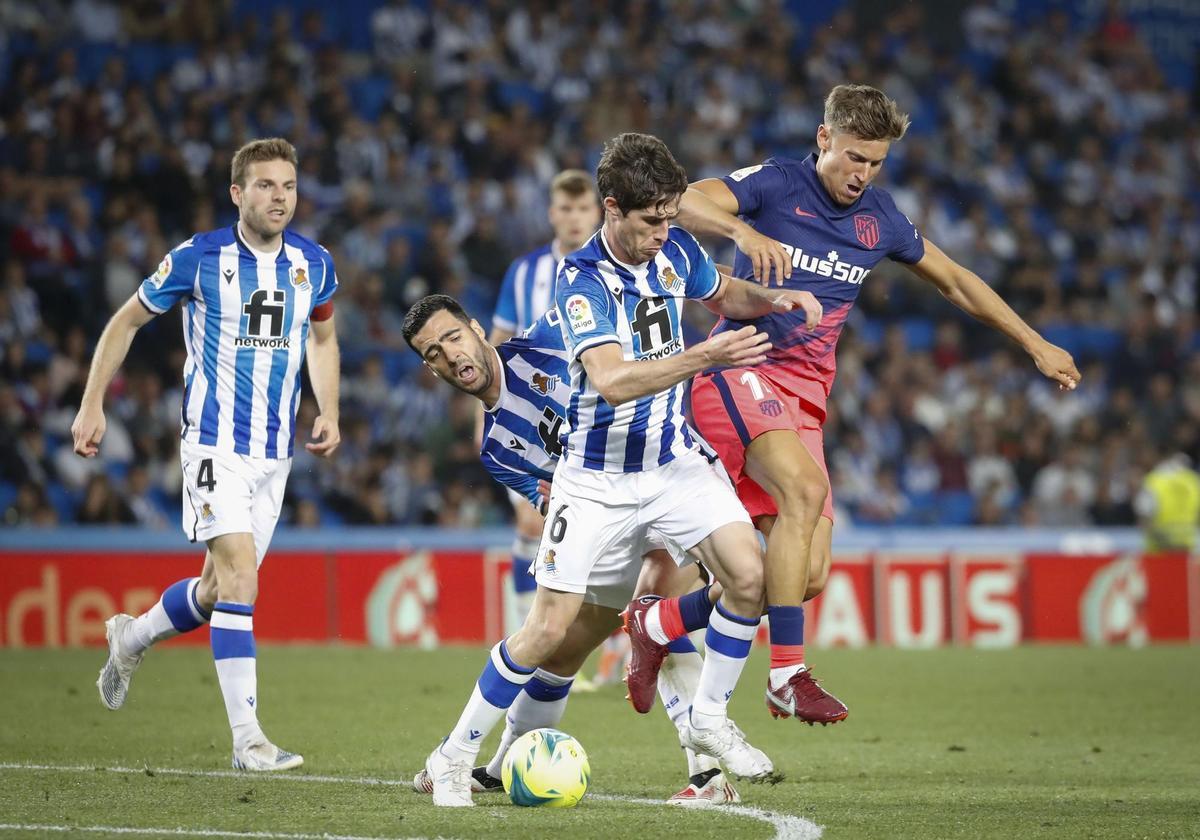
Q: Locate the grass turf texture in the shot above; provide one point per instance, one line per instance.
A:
(1033, 742)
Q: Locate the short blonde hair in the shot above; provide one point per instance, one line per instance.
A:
(865, 112)
(261, 151)
(573, 182)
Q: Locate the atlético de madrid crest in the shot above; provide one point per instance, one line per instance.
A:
(866, 228)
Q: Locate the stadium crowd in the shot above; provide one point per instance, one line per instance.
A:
(1053, 160)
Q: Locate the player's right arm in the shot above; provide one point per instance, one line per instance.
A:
(171, 282)
(710, 208)
(619, 381)
(88, 428)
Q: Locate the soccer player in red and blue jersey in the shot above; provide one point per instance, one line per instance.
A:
(766, 422)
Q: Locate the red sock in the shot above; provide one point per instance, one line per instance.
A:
(783, 656)
(671, 619)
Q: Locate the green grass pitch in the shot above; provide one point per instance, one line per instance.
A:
(1026, 743)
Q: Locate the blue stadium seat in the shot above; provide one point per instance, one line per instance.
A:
(64, 501)
(918, 332)
(8, 494)
(955, 507)
(370, 95)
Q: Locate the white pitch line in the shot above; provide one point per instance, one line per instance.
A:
(187, 832)
(787, 827)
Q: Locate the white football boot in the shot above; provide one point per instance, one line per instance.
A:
(118, 670)
(727, 744)
(265, 757)
(481, 782)
(451, 780)
(717, 790)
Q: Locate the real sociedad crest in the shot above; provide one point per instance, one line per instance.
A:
(671, 281)
(299, 278)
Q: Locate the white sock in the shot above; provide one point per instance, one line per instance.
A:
(496, 690)
(677, 682)
(233, 647)
(176, 611)
(778, 676)
(728, 643)
(654, 626)
(541, 705)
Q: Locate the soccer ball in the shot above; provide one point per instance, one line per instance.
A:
(546, 767)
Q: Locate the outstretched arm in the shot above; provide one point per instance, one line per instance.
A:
(740, 300)
(324, 363)
(968, 292)
(88, 428)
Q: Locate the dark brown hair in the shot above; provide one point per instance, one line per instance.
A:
(639, 171)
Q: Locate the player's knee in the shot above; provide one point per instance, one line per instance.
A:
(543, 633)
(803, 496)
(239, 586)
(206, 593)
(745, 589)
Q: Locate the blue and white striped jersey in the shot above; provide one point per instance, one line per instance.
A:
(639, 307)
(527, 291)
(521, 432)
(245, 322)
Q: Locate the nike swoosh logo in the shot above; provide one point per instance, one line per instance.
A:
(805, 213)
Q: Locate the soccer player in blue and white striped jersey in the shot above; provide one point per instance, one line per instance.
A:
(255, 298)
(524, 387)
(631, 469)
(525, 295)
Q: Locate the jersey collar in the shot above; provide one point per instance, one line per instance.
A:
(264, 255)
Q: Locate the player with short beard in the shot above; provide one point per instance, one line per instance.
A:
(257, 299)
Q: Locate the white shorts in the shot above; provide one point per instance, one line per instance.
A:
(226, 493)
(600, 524)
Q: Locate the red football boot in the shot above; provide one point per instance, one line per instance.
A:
(646, 655)
(802, 698)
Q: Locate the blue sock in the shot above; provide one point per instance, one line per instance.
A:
(695, 608)
(682, 645)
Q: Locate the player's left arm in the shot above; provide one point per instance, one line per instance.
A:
(742, 300)
(324, 365)
(968, 292)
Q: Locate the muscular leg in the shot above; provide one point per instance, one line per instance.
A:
(544, 698)
(780, 464)
(820, 558)
(235, 567)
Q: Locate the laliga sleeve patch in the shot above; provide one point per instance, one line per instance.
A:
(745, 172)
(579, 314)
(163, 272)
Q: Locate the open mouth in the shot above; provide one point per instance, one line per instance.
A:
(467, 374)
(276, 214)
(854, 189)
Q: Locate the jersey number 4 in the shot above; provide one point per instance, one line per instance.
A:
(549, 429)
(204, 476)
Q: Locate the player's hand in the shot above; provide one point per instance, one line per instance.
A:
(1057, 364)
(88, 430)
(766, 255)
(326, 437)
(737, 348)
(543, 505)
(790, 301)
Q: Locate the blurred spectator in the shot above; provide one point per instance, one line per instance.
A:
(1051, 156)
(1169, 504)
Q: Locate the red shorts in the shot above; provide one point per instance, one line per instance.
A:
(733, 407)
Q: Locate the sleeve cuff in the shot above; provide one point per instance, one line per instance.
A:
(588, 344)
(716, 286)
(145, 301)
